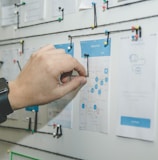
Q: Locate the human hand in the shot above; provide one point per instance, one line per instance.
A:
(47, 76)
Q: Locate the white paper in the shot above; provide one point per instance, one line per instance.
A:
(33, 10)
(8, 16)
(93, 109)
(137, 87)
(60, 113)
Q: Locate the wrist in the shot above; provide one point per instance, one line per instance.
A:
(15, 96)
(5, 107)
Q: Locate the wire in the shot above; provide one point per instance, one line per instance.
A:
(32, 25)
(11, 43)
(42, 150)
(95, 15)
(21, 155)
(79, 29)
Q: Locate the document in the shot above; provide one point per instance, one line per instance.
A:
(93, 109)
(60, 113)
(137, 87)
(34, 10)
(8, 17)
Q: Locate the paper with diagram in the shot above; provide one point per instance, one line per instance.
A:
(137, 87)
(93, 109)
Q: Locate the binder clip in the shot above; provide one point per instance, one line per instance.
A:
(95, 16)
(29, 123)
(138, 32)
(62, 16)
(105, 5)
(58, 132)
(22, 46)
(70, 46)
(107, 40)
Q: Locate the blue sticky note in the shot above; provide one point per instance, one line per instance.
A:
(65, 47)
(95, 48)
(83, 106)
(135, 122)
(32, 108)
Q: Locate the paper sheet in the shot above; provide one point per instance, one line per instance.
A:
(93, 111)
(59, 113)
(8, 15)
(33, 10)
(137, 87)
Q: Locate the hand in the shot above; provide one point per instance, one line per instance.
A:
(47, 76)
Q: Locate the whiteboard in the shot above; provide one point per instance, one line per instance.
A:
(76, 143)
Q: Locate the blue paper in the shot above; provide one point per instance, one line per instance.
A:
(95, 48)
(65, 47)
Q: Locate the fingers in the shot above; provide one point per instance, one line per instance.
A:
(80, 69)
(67, 62)
(70, 64)
(66, 77)
(47, 47)
(70, 86)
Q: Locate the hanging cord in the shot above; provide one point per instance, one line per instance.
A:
(95, 15)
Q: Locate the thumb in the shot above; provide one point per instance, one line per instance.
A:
(72, 85)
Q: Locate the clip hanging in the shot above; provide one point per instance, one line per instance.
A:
(58, 132)
(105, 5)
(107, 40)
(95, 16)
(33, 109)
(22, 46)
(36, 120)
(138, 32)
(70, 46)
(62, 14)
(29, 123)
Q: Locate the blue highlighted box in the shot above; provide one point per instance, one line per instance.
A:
(65, 47)
(95, 48)
(83, 106)
(135, 122)
(32, 108)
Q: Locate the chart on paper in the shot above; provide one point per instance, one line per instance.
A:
(137, 84)
(94, 95)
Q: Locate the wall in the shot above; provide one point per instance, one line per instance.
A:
(75, 143)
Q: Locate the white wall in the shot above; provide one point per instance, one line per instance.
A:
(75, 143)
